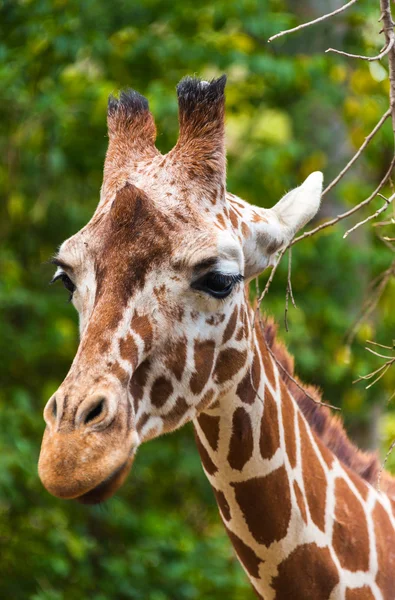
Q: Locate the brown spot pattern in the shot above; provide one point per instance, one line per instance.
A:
(361, 593)
(221, 221)
(245, 230)
(350, 531)
(259, 499)
(325, 425)
(210, 427)
(360, 484)
(204, 358)
(315, 483)
(300, 501)
(385, 543)
(241, 442)
(288, 414)
(120, 373)
(128, 349)
(319, 574)
(241, 333)
(176, 358)
(142, 326)
(246, 390)
(269, 439)
(268, 366)
(208, 464)
(229, 362)
(142, 421)
(234, 218)
(174, 416)
(223, 504)
(161, 390)
(205, 402)
(230, 326)
(137, 383)
(247, 556)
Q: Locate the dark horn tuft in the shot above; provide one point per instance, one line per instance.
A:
(129, 102)
(192, 91)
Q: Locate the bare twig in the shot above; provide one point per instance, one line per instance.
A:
(387, 242)
(374, 216)
(284, 370)
(388, 28)
(257, 289)
(319, 402)
(289, 292)
(314, 22)
(348, 212)
(381, 371)
(390, 358)
(378, 286)
(372, 299)
(269, 281)
(381, 345)
(384, 463)
(329, 224)
(384, 223)
(358, 153)
(379, 56)
(289, 278)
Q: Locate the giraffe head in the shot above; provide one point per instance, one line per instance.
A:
(157, 277)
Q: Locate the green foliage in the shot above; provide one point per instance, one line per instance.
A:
(290, 110)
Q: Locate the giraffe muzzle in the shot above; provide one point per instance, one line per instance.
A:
(88, 446)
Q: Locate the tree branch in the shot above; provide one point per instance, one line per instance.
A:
(289, 292)
(348, 212)
(383, 53)
(284, 370)
(314, 22)
(376, 214)
(359, 152)
(269, 281)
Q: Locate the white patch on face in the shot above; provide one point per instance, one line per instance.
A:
(231, 259)
(83, 277)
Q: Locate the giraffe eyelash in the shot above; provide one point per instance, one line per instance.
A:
(68, 284)
(216, 284)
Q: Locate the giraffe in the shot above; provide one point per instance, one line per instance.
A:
(159, 277)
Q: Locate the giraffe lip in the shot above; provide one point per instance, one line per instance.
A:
(107, 488)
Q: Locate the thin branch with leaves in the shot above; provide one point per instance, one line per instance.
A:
(378, 286)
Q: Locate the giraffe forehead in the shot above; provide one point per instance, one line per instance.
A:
(148, 237)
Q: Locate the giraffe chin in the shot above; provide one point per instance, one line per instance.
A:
(108, 487)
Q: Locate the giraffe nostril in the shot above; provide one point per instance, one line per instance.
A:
(51, 412)
(95, 412)
(54, 408)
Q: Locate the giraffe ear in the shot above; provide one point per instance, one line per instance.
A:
(272, 229)
(201, 143)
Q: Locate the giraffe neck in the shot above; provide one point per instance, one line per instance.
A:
(302, 524)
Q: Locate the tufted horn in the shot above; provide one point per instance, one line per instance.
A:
(132, 133)
(201, 143)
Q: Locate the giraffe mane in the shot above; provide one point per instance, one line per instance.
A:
(328, 427)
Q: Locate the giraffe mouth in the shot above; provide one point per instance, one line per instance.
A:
(108, 486)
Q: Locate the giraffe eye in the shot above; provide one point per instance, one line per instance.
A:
(217, 284)
(68, 284)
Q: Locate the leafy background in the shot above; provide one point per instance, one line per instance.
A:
(291, 109)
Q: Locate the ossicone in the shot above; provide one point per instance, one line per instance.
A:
(129, 102)
(195, 93)
(128, 118)
(201, 142)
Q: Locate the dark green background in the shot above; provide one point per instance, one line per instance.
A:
(291, 109)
